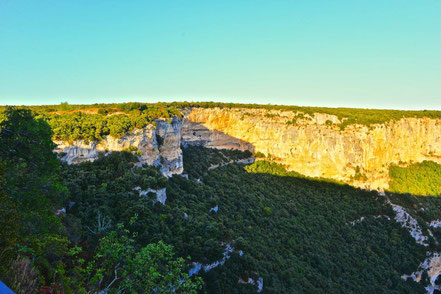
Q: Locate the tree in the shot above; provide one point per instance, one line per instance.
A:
(26, 140)
(118, 266)
(30, 191)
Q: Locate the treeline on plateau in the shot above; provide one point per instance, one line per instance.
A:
(72, 126)
(293, 233)
(67, 122)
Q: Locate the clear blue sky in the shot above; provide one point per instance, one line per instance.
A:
(367, 53)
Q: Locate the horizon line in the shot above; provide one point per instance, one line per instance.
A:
(220, 102)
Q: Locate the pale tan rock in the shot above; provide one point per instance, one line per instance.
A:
(315, 148)
(312, 146)
(168, 155)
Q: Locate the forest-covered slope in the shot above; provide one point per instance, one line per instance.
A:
(224, 227)
(422, 178)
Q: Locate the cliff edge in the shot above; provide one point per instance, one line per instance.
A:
(316, 145)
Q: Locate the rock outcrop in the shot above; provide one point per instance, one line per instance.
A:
(428, 272)
(165, 153)
(315, 145)
(161, 194)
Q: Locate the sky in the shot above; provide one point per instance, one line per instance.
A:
(365, 53)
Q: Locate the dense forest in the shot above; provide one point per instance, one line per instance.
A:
(422, 178)
(44, 248)
(224, 227)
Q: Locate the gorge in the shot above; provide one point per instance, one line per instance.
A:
(235, 198)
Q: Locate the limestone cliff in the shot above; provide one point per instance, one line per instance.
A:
(315, 145)
(166, 153)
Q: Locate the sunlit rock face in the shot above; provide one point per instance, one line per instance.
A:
(167, 153)
(315, 145)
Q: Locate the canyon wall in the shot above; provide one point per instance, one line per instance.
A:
(315, 145)
(312, 145)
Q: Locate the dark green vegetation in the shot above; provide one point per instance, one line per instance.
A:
(48, 252)
(294, 232)
(197, 164)
(417, 179)
(303, 243)
(30, 188)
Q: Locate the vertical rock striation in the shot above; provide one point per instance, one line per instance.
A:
(166, 153)
(315, 145)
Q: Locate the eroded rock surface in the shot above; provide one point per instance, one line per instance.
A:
(167, 153)
(315, 145)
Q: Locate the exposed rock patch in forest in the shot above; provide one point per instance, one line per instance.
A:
(406, 221)
(197, 266)
(431, 266)
(161, 195)
(409, 223)
(238, 161)
(435, 224)
(353, 223)
(258, 283)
